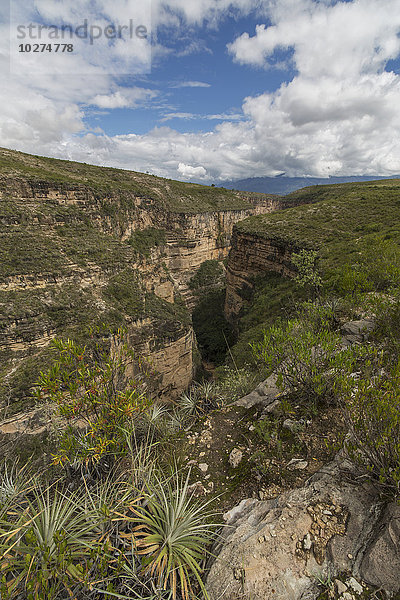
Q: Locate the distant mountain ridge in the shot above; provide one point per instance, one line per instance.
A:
(284, 185)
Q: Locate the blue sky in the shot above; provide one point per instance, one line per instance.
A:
(197, 79)
(236, 88)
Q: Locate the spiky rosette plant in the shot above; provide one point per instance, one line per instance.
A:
(172, 533)
(45, 545)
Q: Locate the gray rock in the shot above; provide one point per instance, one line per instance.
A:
(357, 331)
(203, 467)
(238, 511)
(280, 568)
(297, 464)
(263, 395)
(341, 587)
(354, 585)
(381, 562)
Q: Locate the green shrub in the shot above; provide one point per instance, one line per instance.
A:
(376, 269)
(102, 387)
(387, 320)
(146, 239)
(126, 293)
(307, 274)
(308, 362)
(380, 259)
(372, 412)
(351, 280)
(209, 273)
(321, 313)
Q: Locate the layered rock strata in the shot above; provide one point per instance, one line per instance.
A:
(250, 256)
(70, 259)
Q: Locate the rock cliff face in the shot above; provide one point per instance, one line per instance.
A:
(250, 256)
(85, 246)
(194, 238)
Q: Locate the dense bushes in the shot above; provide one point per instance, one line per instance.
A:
(307, 356)
(91, 536)
(144, 240)
(209, 273)
(373, 414)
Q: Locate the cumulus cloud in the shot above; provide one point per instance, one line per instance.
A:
(190, 172)
(337, 115)
(126, 98)
(342, 40)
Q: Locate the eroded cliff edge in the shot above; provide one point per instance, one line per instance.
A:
(261, 245)
(85, 246)
(253, 255)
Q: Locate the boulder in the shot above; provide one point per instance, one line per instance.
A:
(265, 394)
(381, 563)
(274, 549)
(356, 331)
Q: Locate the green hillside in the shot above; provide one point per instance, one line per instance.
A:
(172, 195)
(355, 229)
(336, 220)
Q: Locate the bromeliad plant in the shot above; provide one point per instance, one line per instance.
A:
(172, 533)
(198, 400)
(45, 546)
(15, 481)
(100, 389)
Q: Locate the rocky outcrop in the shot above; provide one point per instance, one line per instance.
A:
(253, 255)
(380, 565)
(279, 548)
(71, 259)
(172, 360)
(193, 239)
(266, 394)
(356, 331)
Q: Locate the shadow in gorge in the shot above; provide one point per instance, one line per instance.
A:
(214, 334)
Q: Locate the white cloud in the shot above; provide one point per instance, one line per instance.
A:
(178, 115)
(189, 172)
(195, 116)
(198, 11)
(191, 84)
(126, 98)
(338, 115)
(342, 40)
